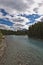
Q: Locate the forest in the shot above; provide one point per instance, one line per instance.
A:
(36, 30)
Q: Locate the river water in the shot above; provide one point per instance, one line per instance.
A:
(22, 50)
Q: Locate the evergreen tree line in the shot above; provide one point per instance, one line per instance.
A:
(36, 30)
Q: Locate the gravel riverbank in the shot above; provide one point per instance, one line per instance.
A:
(2, 48)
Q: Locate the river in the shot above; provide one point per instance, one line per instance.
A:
(22, 50)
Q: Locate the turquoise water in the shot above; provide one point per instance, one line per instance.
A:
(22, 50)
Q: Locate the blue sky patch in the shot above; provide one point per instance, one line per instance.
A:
(3, 12)
(7, 22)
(31, 17)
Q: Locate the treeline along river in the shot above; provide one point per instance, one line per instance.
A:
(22, 50)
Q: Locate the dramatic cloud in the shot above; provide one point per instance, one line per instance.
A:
(21, 6)
(11, 10)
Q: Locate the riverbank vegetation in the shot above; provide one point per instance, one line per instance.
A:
(1, 36)
(36, 30)
(10, 32)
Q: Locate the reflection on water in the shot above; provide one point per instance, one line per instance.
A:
(22, 50)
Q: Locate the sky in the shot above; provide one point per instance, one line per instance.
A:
(20, 14)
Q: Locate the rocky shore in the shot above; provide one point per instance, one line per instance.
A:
(2, 48)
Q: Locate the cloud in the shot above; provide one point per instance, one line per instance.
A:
(6, 27)
(11, 10)
(17, 21)
(3, 26)
(40, 19)
(21, 6)
(16, 6)
(40, 10)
